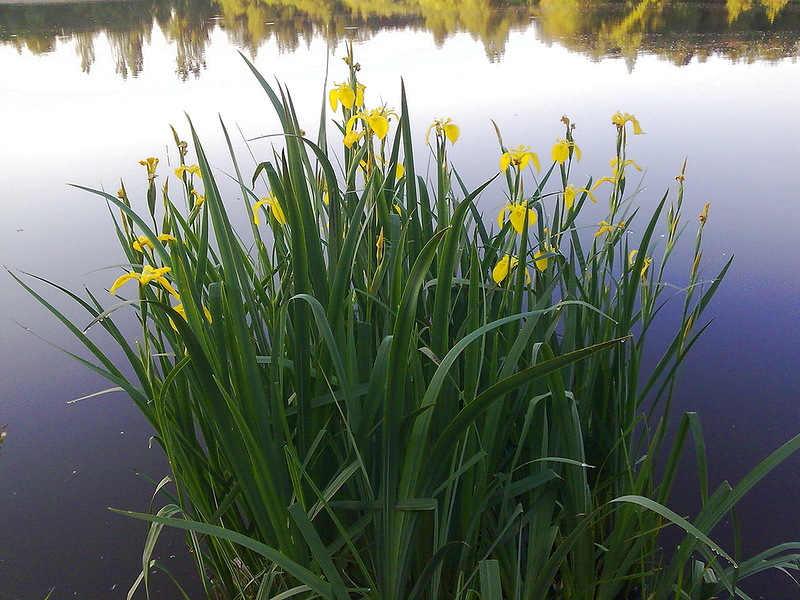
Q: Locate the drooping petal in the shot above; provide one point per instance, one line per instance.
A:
(351, 122)
(569, 196)
(165, 284)
(560, 152)
(518, 214)
(501, 215)
(604, 228)
(619, 119)
(181, 311)
(378, 124)
(541, 263)
(451, 131)
(503, 266)
(351, 138)
(535, 160)
(341, 93)
(142, 242)
(505, 161)
(256, 206)
(602, 180)
(562, 149)
(165, 237)
(277, 211)
(530, 157)
(347, 96)
(428, 133)
(122, 281)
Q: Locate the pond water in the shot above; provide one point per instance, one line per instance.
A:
(89, 89)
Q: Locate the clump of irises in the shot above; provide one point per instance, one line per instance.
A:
(378, 391)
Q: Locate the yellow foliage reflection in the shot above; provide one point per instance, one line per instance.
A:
(738, 29)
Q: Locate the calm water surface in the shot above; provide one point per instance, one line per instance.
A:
(88, 90)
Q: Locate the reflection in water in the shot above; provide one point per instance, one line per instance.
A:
(741, 30)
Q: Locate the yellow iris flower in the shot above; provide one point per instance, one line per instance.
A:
(151, 164)
(275, 209)
(344, 93)
(517, 216)
(617, 172)
(191, 169)
(144, 242)
(376, 122)
(570, 192)
(198, 198)
(561, 151)
(519, 156)
(604, 228)
(351, 138)
(619, 119)
(504, 266)
(148, 275)
(444, 129)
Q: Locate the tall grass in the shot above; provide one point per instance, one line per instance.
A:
(374, 392)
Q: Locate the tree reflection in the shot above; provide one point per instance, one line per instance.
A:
(741, 30)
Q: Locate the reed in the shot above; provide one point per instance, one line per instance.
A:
(374, 392)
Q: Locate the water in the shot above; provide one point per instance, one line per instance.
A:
(88, 90)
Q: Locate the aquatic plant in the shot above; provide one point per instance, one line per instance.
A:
(375, 392)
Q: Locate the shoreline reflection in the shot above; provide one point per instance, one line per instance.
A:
(741, 31)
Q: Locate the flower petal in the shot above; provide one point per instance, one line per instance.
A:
(258, 205)
(379, 125)
(501, 269)
(122, 281)
(569, 196)
(452, 131)
(560, 153)
(541, 263)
